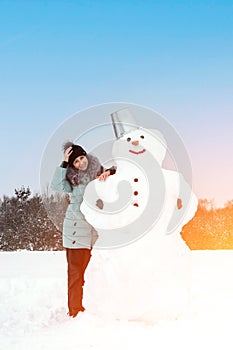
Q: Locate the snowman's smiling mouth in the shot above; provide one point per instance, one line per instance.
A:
(139, 152)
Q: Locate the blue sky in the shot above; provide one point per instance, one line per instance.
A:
(59, 57)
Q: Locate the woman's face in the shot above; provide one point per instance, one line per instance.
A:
(80, 163)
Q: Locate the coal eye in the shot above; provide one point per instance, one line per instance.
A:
(142, 137)
(129, 139)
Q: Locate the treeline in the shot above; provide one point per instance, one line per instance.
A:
(35, 223)
(25, 223)
(211, 227)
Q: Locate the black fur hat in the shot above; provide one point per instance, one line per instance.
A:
(77, 151)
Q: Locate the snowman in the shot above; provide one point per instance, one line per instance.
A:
(140, 211)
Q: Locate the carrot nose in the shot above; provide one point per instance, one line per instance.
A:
(135, 143)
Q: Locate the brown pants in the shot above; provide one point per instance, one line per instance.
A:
(77, 260)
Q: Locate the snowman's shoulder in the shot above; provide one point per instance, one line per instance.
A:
(170, 175)
(173, 180)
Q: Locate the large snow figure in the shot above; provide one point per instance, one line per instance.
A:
(148, 277)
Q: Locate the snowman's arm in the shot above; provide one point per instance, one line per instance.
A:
(181, 201)
(104, 191)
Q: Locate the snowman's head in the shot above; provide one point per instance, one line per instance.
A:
(135, 144)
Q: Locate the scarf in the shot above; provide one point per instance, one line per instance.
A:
(77, 177)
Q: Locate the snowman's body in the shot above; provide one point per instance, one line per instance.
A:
(128, 193)
(123, 195)
(149, 278)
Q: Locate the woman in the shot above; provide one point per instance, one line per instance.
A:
(75, 172)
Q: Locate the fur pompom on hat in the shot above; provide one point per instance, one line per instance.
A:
(77, 151)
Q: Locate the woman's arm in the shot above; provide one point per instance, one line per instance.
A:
(105, 173)
(59, 182)
(112, 170)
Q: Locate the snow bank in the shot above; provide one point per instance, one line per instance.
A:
(33, 309)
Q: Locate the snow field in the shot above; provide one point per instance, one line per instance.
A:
(33, 309)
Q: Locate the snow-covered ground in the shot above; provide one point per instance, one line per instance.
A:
(33, 309)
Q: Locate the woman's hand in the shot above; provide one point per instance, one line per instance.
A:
(103, 176)
(68, 153)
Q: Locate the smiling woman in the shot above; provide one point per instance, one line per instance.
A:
(79, 237)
